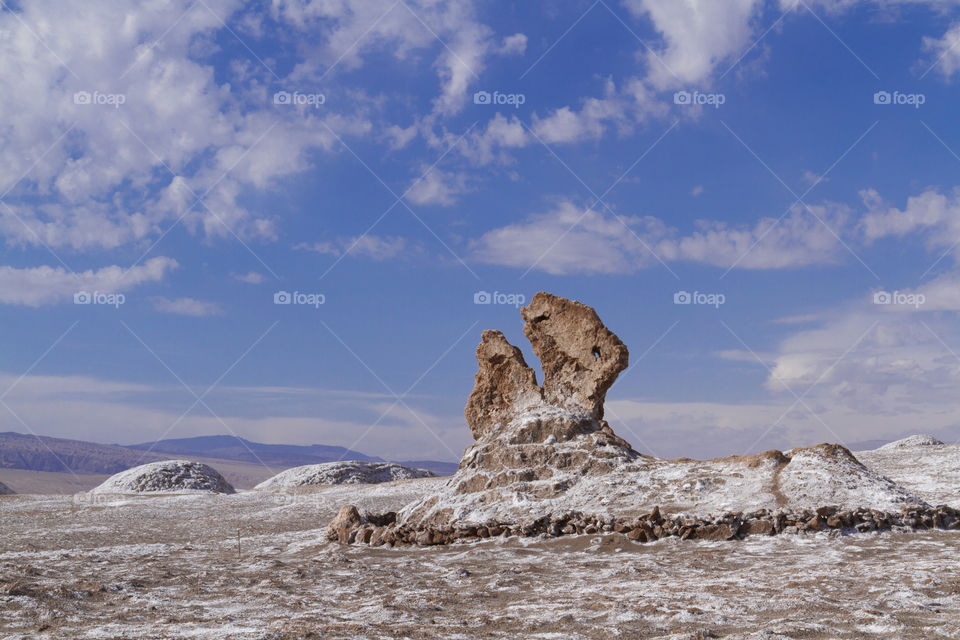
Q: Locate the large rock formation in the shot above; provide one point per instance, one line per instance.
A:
(167, 476)
(543, 457)
(534, 442)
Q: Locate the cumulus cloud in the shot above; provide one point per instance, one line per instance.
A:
(568, 239)
(346, 32)
(370, 246)
(945, 50)
(697, 35)
(803, 237)
(573, 240)
(438, 187)
(616, 109)
(251, 277)
(89, 127)
(932, 214)
(37, 286)
(185, 307)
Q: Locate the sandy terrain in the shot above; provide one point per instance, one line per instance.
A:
(169, 567)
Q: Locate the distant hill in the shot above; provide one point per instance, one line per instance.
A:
(234, 448)
(44, 453)
(276, 455)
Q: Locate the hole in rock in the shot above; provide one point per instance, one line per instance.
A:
(596, 353)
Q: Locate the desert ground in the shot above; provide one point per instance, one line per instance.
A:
(256, 565)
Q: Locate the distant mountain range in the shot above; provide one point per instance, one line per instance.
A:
(43, 453)
(233, 448)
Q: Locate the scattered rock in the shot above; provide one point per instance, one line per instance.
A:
(344, 524)
(759, 528)
(345, 472)
(167, 476)
(716, 532)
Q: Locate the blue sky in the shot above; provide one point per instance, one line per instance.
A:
(155, 153)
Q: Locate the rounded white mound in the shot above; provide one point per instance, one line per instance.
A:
(5, 490)
(167, 476)
(344, 472)
(921, 440)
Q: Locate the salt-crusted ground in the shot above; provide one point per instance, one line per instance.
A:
(169, 567)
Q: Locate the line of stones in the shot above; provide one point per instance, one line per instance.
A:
(349, 527)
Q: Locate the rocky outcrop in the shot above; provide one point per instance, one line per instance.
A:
(345, 472)
(580, 357)
(543, 456)
(920, 440)
(533, 442)
(167, 476)
(351, 527)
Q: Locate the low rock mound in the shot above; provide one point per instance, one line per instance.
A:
(920, 440)
(167, 476)
(346, 472)
(829, 474)
(928, 468)
(543, 456)
(5, 490)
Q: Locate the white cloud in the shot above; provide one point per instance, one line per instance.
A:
(591, 121)
(106, 176)
(935, 215)
(36, 286)
(348, 30)
(370, 246)
(570, 240)
(799, 239)
(185, 307)
(566, 240)
(945, 50)
(490, 144)
(438, 187)
(513, 45)
(400, 137)
(697, 35)
(251, 277)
